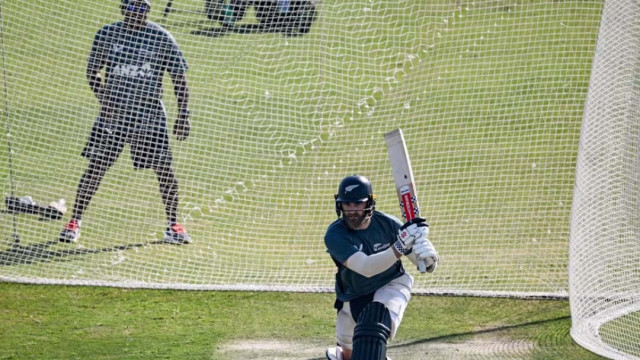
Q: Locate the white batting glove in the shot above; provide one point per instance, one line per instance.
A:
(424, 250)
(409, 233)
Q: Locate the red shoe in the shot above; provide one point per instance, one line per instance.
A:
(71, 232)
(176, 234)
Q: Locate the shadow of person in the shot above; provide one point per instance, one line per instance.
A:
(40, 252)
(238, 29)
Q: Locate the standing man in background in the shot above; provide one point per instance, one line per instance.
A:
(372, 287)
(135, 54)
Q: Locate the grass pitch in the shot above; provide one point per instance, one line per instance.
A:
(60, 322)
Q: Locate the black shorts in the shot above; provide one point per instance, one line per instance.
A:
(148, 141)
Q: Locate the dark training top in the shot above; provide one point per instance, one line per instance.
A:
(342, 242)
(135, 61)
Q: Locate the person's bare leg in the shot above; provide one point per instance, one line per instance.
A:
(169, 191)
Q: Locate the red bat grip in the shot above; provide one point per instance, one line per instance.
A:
(409, 210)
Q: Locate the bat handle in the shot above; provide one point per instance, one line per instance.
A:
(422, 266)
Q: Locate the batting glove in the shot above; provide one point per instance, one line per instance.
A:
(409, 233)
(424, 250)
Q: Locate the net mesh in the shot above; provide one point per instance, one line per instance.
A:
(489, 94)
(605, 247)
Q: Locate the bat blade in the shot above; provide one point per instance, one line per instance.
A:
(403, 177)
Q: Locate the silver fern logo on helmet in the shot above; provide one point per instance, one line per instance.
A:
(351, 187)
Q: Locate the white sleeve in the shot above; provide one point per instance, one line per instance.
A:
(370, 265)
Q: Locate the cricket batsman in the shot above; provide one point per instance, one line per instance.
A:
(372, 287)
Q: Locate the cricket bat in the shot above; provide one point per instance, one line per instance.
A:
(403, 177)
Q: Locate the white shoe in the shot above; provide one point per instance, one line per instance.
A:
(334, 353)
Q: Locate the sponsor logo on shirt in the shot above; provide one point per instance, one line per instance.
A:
(379, 246)
(134, 71)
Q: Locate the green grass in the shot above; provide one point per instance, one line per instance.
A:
(59, 322)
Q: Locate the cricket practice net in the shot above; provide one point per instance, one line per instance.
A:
(489, 94)
(604, 275)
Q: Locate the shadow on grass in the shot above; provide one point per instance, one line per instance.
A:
(40, 252)
(445, 338)
(500, 348)
(238, 29)
(221, 30)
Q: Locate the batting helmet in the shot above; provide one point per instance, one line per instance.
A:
(355, 189)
